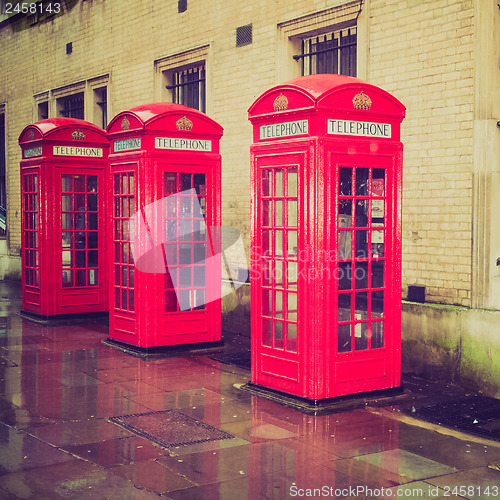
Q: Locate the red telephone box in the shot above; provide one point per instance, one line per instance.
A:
(326, 237)
(166, 174)
(63, 168)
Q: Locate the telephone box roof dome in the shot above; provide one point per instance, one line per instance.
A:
(317, 85)
(159, 115)
(49, 125)
(148, 112)
(327, 92)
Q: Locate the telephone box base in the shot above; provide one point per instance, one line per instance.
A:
(165, 351)
(64, 319)
(328, 405)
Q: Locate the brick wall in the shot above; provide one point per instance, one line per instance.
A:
(419, 50)
(422, 52)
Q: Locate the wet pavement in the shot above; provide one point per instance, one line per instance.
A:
(60, 386)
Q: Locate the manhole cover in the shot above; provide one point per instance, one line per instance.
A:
(169, 428)
(474, 414)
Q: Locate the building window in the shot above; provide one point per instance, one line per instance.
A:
(72, 106)
(184, 78)
(101, 107)
(87, 100)
(333, 40)
(43, 110)
(188, 87)
(333, 52)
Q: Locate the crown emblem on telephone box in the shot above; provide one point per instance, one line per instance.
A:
(125, 124)
(78, 135)
(361, 101)
(184, 123)
(280, 103)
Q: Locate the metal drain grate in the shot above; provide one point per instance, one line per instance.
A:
(170, 428)
(479, 415)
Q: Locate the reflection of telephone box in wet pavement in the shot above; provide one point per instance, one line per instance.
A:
(165, 255)
(63, 172)
(326, 241)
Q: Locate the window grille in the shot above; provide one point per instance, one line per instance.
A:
(73, 106)
(330, 53)
(188, 87)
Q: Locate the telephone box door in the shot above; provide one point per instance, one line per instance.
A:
(191, 283)
(278, 347)
(367, 285)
